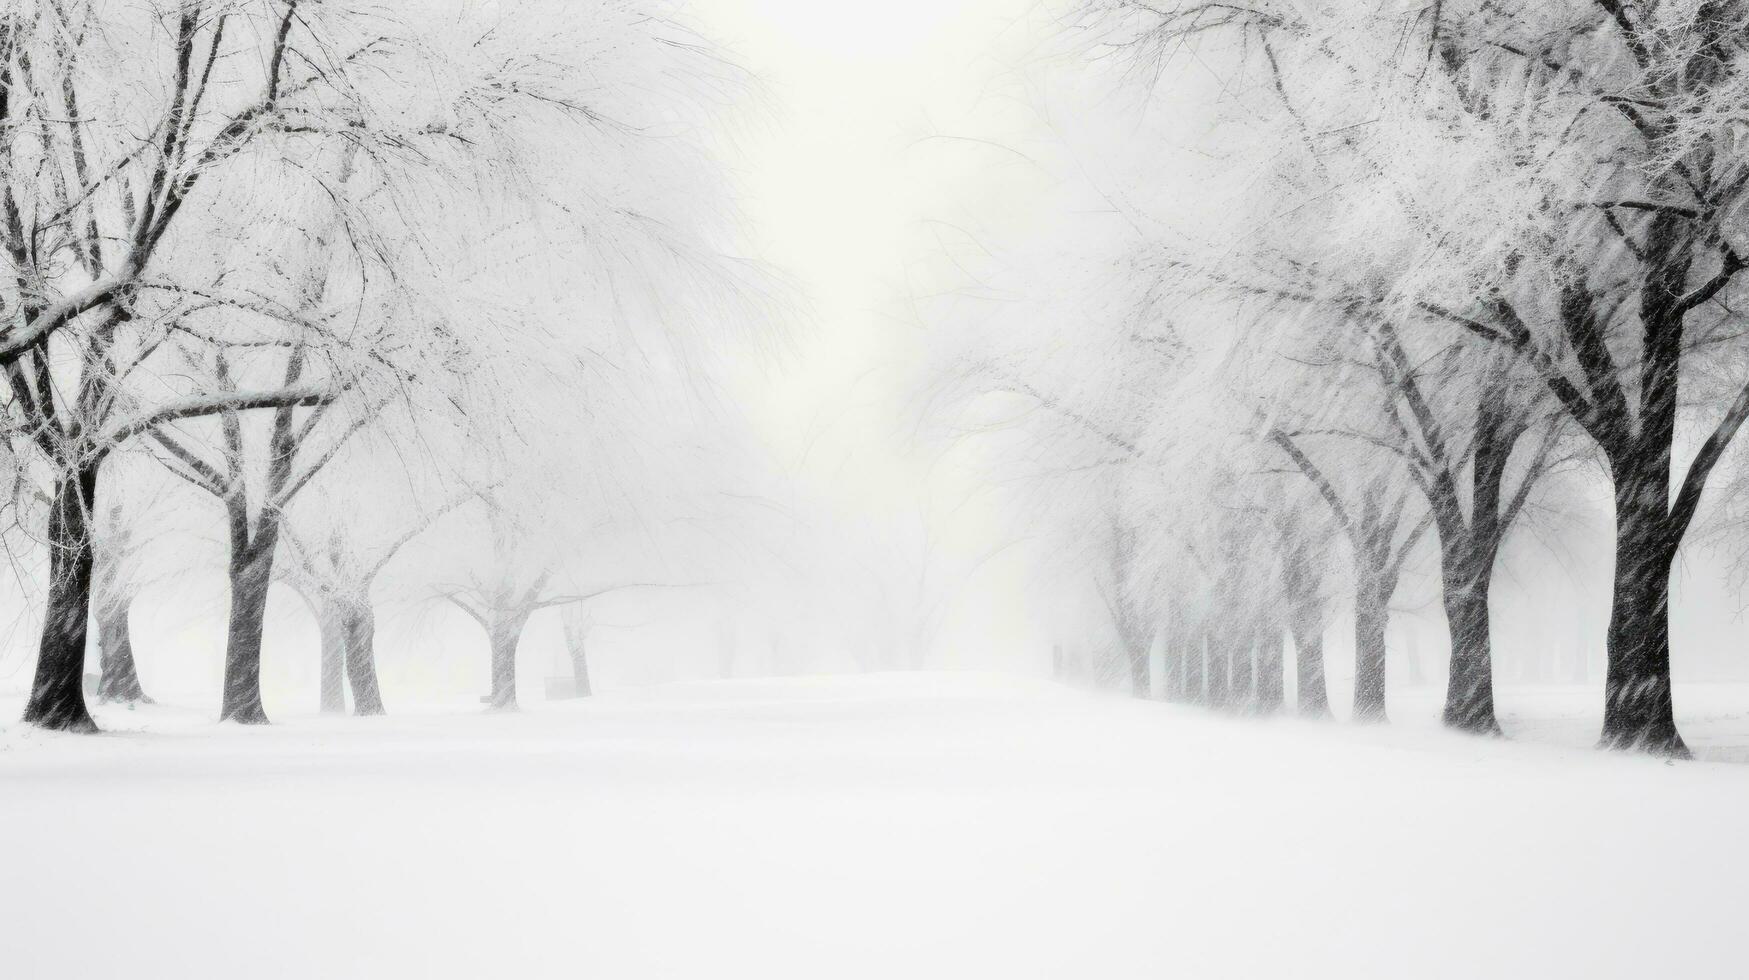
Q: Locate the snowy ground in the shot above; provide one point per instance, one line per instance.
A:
(952, 826)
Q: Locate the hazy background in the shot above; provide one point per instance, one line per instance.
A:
(886, 142)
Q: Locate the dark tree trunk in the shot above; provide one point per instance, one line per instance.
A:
(252, 550)
(1469, 689)
(1371, 613)
(1467, 552)
(505, 636)
(361, 660)
(251, 574)
(330, 621)
(1638, 712)
(57, 696)
(118, 678)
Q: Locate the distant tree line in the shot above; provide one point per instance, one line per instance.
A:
(1380, 272)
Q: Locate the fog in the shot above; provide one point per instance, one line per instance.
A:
(1005, 488)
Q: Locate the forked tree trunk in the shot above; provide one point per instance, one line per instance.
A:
(1371, 613)
(251, 575)
(1638, 712)
(361, 659)
(330, 621)
(118, 678)
(1468, 548)
(57, 696)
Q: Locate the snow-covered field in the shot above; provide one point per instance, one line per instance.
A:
(954, 826)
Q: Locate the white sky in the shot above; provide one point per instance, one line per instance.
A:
(832, 190)
(839, 187)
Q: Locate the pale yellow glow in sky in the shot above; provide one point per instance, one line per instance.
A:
(837, 189)
(832, 187)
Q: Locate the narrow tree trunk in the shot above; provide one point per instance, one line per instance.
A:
(1194, 689)
(1469, 689)
(361, 659)
(331, 623)
(119, 678)
(1302, 582)
(1217, 673)
(1172, 666)
(1467, 552)
(1638, 712)
(251, 575)
(1137, 657)
(1242, 673)
(1371, 613)
(1311, 696)
(1271, 681)
(57, 696)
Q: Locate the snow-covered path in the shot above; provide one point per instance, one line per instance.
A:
(953, 826)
